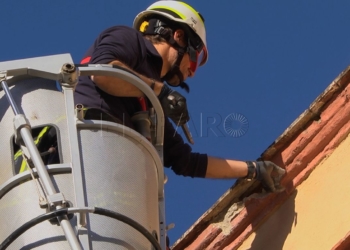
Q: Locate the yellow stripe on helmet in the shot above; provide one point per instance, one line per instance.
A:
(171, 9)
(193, 10)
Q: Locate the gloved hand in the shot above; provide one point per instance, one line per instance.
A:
(174, 105)
(270, 175)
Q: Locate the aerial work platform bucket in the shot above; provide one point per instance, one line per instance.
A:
(105, 188)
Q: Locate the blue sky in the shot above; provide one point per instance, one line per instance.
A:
(268, 61)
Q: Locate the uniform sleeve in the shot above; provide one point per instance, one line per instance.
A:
(179, 157)
(117, 44)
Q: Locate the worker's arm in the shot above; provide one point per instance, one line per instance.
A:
(223, 168)
(118, 87)
(267, 172)
(115, 86)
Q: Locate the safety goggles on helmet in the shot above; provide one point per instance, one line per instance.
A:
(196, 49)
(196, 53)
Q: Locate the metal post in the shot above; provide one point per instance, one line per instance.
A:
(69, 78)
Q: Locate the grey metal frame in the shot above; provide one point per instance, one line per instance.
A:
(46, 67)
(55, 199)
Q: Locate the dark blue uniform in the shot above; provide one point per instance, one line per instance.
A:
(129, 47)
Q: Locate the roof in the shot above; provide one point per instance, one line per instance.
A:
(244, 206)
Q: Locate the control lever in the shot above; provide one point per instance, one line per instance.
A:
(184, 126)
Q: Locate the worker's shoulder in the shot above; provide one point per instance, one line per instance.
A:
(119, 33)
(121, 29)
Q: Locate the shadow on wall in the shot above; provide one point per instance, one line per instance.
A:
(274, 231)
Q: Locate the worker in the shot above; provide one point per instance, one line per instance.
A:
(163, 48)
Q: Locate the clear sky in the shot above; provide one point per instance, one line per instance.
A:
(268, 61)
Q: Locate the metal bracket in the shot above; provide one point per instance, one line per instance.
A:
(79, 112)
(55, 200)
(69, 75)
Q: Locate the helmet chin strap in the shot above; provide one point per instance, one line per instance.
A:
(176, 72)
(156, 26)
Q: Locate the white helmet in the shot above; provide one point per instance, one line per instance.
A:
(182, 13)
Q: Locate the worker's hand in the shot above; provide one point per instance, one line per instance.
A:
(174, 105)
(270, 175)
